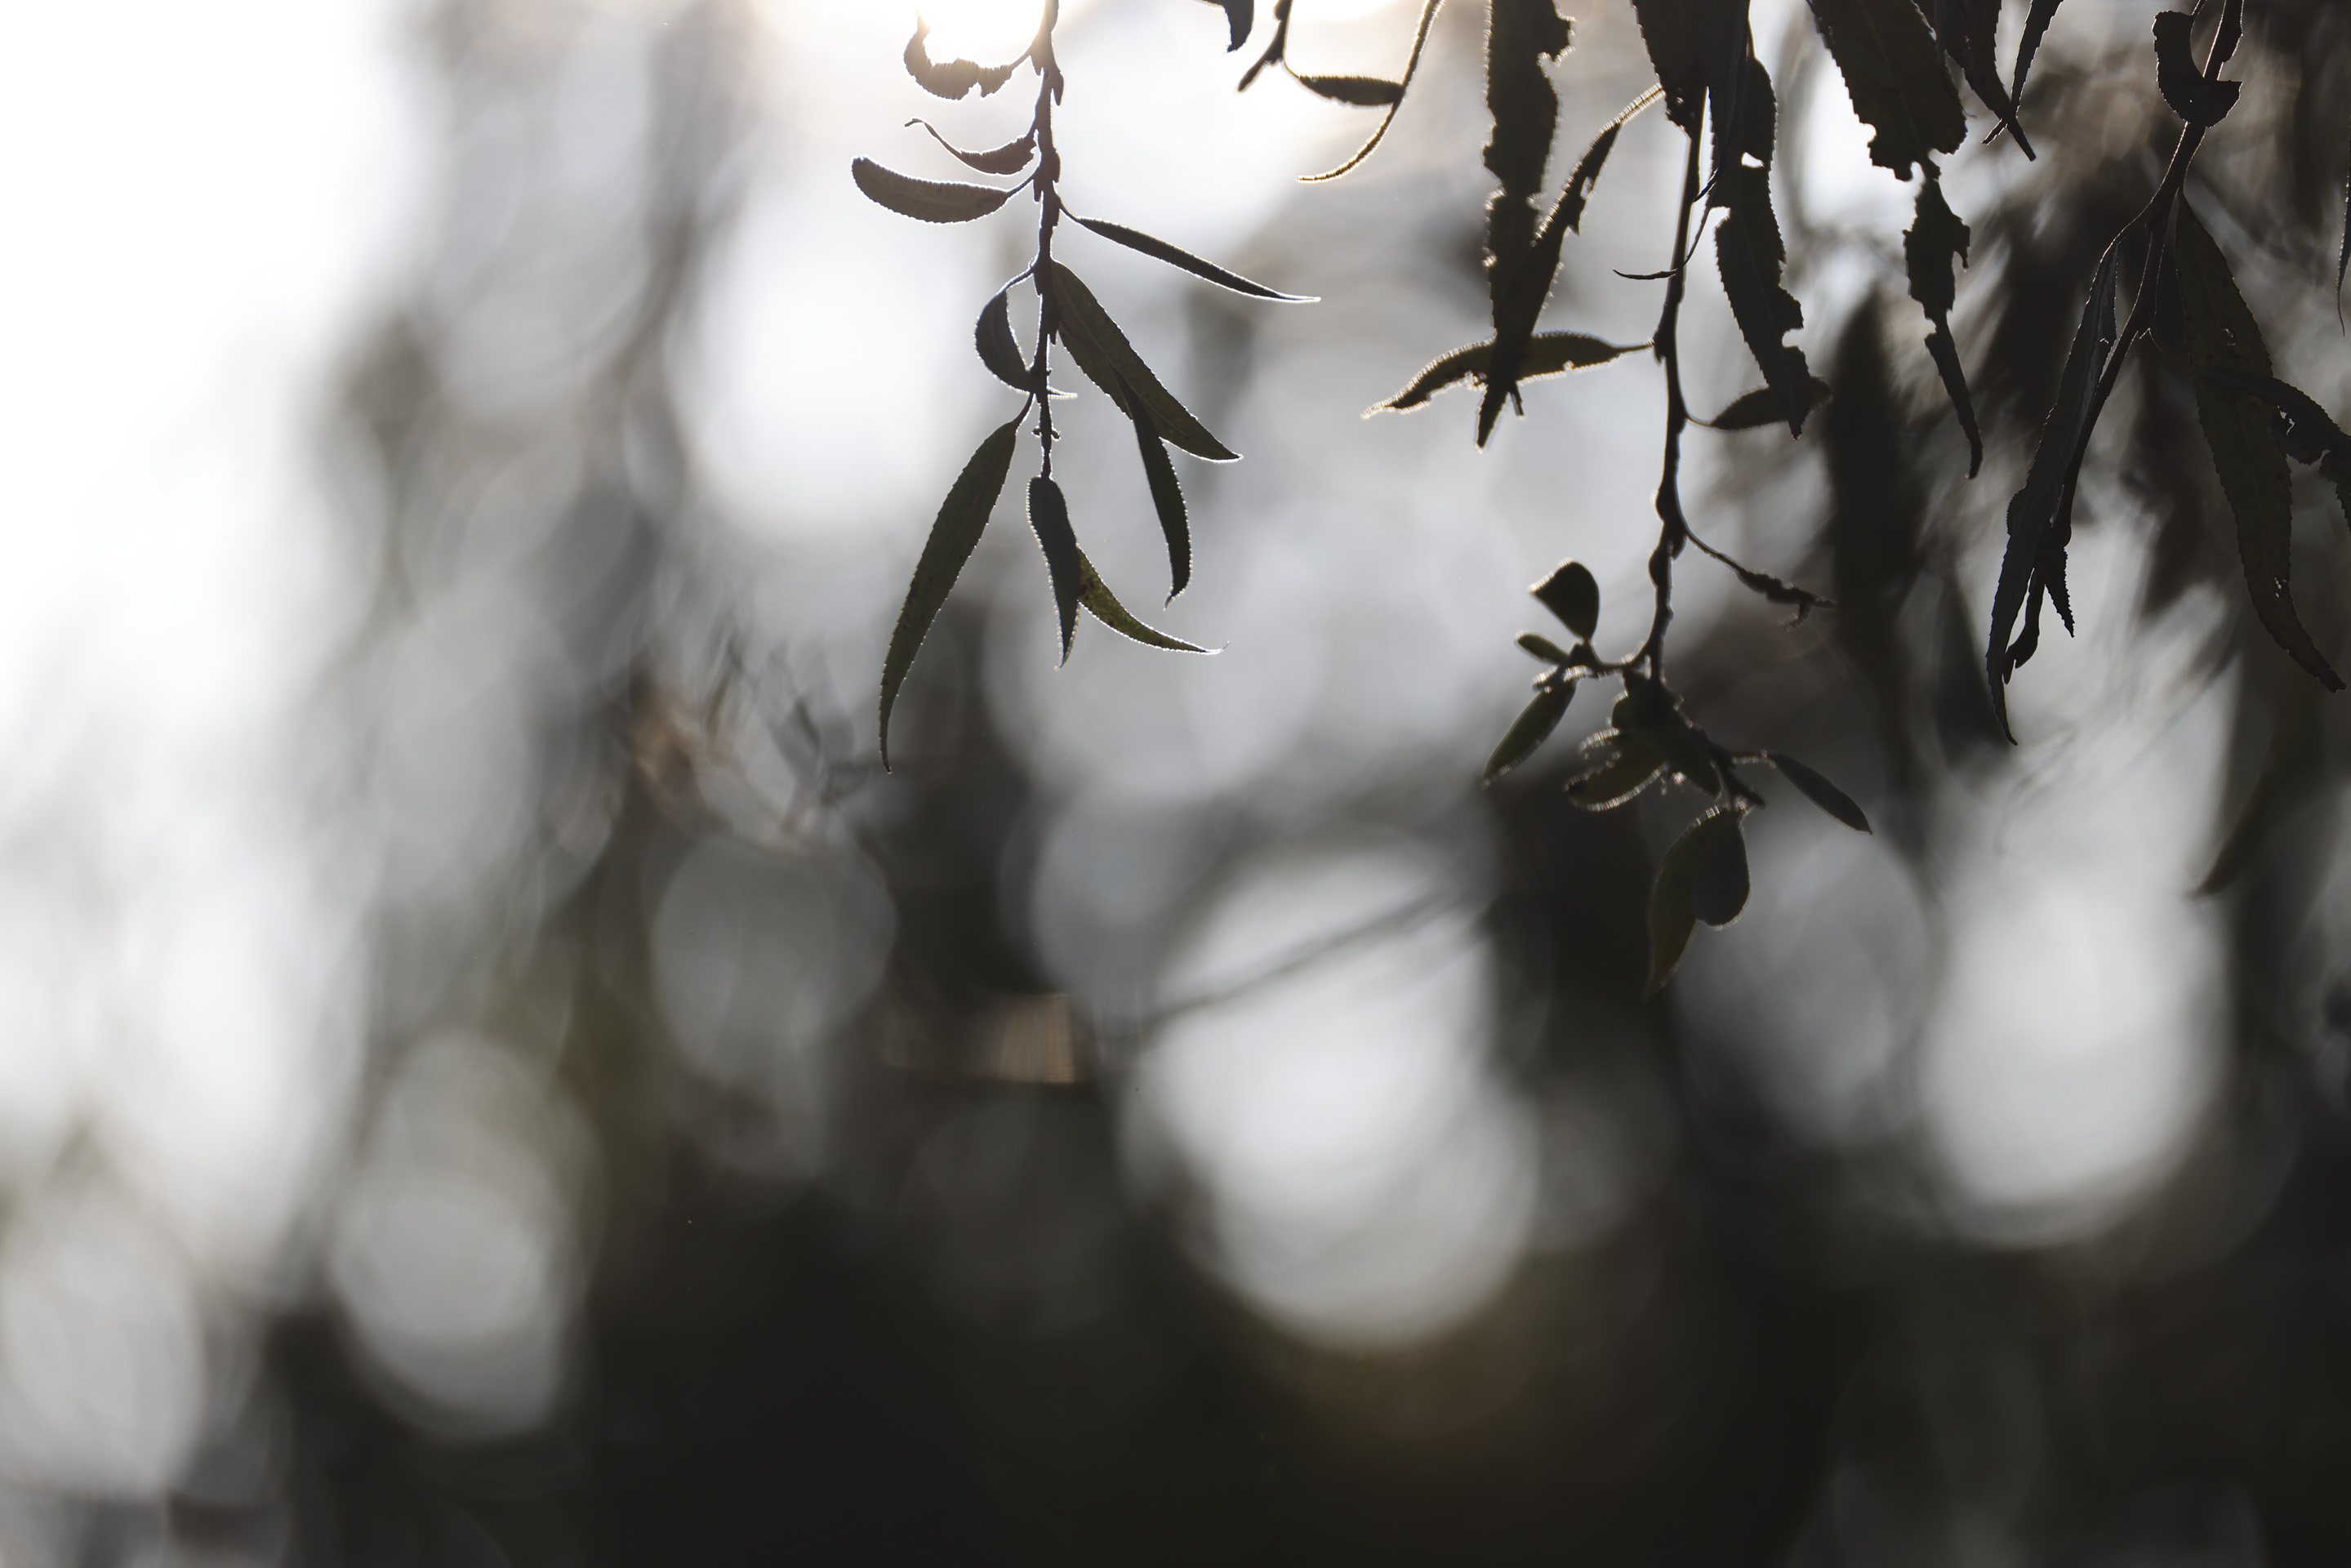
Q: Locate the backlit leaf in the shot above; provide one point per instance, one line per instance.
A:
(1548, 354)
(1722, 886)
(1520, 35)
(932, 201)
(997, 351)
(1160, 250)
(1049, 514)
(1167, 500)
(1530, 729)
(2223, 335)
(1411, 68)
(1008, 159)
(1083, 317)
(963, 517)
(2036, 22)
(1752, 411)
(2184, 87)
(1572, 594)
(1100, 604)
(1749, 254)
(1627, 768)
(1240, 15)
(1544, 648)
(1673, 898)
(953, 78)
(1820, 791)
(1671, 30)
(1683, 746)
(1518, 304)
(1969, 31)
(1364, 92)
(1895, 75)
(1936, 238)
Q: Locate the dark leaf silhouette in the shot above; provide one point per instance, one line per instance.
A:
(1167, 500)
(932, 201)
(1820, 791)
(1746, 117)
(1936, 239)
(1274, 50)
(953, 78)
(1008, 159)
(1752, 411)
(1721, 889)
(962, 518)
(1364, 92)
(1519, 303)
(1572, 594)
(2039, 516)
(1160, 250)
(1103, 352)
(1544, 648)
(1749, 252)
(1671, 29)
(2191, 97)
(1520, 35)
(2343, 253)
(1548, 354)
(1379, 132)
(2223, 336)
(1628, 766)
(1530, 729)
(1673, 898)
(1646, 712)
(1893, 72)
(1240, 15)
(1100, 604)
(1049, 514)
(2036, 24)
(1969, 31)
(2311, 434)
(997, 351)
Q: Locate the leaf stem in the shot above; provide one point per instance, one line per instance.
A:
(1045, 184)
(1673, 530)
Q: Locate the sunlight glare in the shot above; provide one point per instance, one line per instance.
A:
(990, 32)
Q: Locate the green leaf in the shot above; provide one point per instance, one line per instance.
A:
(997, 351)
(1674, 897)
(1518, 304)
(1722, 885)
(1241, 16)
(2223, 335)
(1160, 250)
(2034, 562)
(962, 518)
(1167, 500)
(1753, 411)
(1629, 767)
(932, 201)
(1748, 249)
(1570, 593)
(1049, 514)
(1411, 68)
(1544, 648)
(1530, 729)
(1364, 92)
(1936, 238)
(1893, 72)
(2193, 99)
(953, 78)
(1105, 347)
(1820, 791)
(1548, 354)
(1104, 606)
(1008, 159)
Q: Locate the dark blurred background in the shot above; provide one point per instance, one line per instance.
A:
(492, 1073)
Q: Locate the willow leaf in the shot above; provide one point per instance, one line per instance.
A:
(1517, 307)
(1530, 729)
(1548, 354)
(1895, 75)
(1820, 791)
(2184, 87)
(962, 518)
(1083, 317)
(1629, 767)
(1167, 500)
(953, 78)
(932, 201)
(1160, 250)
(1100, 604)
(1364, 92)
(1520, 35)
(1673, 898)
(1936, 239)
(997, 351)
(2036, 24)
(1748, 251)
(1008, 159)
(1049, 514)
(1379, 132)
(1753, 411)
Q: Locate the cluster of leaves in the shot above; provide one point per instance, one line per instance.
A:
(1902, 63)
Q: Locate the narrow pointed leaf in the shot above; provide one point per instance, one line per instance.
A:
(1530, 729)
(1752, 411)
(997, 351)
(1820, 791)
(1082, 316)
(1160, 250)
(1544, 648)
(1240, 15)
(1673, 898)
(2034, 514)
(2223, 335)
(1364, 92)
(1520, 35)
(1518, 304)
(1969, 31)
(1895, 75)
(1936, 239)
(1627, 768)
(2184, 87)
(1749, 254)
(1275, 50)
(2036, 24)
(1671, 30)
(953, 78)
(1548, 354)
(2312, 435)
(1049, 514)
(932, 201)
(1167, 500)
(1100, 604)
(963, 517)
(1379, 132)
(1008, 159)
(1572, 594)
(1720, 892)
